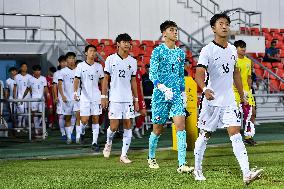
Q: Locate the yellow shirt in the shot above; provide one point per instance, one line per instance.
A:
(244, 65)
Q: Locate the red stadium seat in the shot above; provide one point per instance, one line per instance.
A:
(135, 43)
(281, 87)
(260, 55)
(281, 30)
(148, 51)
(254, 31)
(146, 59)
(254, 55)
(93, 41)
(280, 73)
(256, 66)
(148, 43)
(267, 64)
(158, 42)
(277, 65)
(274, 30)
(265, 30)
(107, 42)
(274, 85)
(259, 73)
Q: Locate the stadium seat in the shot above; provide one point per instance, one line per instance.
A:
(267, 64)
(280, 73)
(281, 31)
(106, 42)
(256, 66)
(158, 42)
(277, 65)
(135, 51)
(148, 43)
(135, 43)
(254, 31)
(281, 87)
(264, 30)
(148, 51)
(274, 30)
(260, 55)
(274, 85)
(146, 59)
(93, 41)
(253, 55)
(259, 73)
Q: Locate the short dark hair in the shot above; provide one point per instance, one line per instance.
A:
(165, 25)
(58, 67)
(123, 37)
(70, 54)
(52, 69)
(216, 17)
(12, 69)
(78, 61)
(240, 43)
(90, 46)
(24, 63)
(61, 58)
(36, 68)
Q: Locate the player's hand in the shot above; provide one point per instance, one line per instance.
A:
(167, 91)
(209, 94)
(64, 99)
(244, 100)
(136, 106)
(104, 103)
(184, 99)
(76, 96)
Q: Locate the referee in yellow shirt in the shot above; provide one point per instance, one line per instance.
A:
(244, 64)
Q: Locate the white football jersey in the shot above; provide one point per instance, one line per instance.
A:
(10, 86)
(37, 85)
(67, 77)
(22, 83)
(89, 76)
(121, 71)
(55, 81)
(219, 63)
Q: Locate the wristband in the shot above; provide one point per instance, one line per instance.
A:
(75, 93)
(136, 99)
(103, 96)
(204, 89)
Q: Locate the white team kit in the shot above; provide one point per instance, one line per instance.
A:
(22, 83)
(67, 77)
(222, 111)
(9, 84)
(90, 97)
(59, 103)
(120, 95)
(37, 86)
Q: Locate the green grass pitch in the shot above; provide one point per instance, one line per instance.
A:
(95, 172)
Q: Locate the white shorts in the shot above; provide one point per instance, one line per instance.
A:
(90, 108)
(213, 117)
(121, 110)
(70, 107)
(22, 107)
(37, 106)
(59, 107)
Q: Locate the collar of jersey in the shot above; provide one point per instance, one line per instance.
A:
(215, 43)
(121, 57)
(168, 47)
(69, 67)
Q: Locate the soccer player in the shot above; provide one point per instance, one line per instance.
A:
(37, 86)
(120, 70)
(142, 106)
(66, 90)
(168, 99)
(244, 65)
(50, 103)
(20, 86)
(9, 85)
(57, 99)
(89, 73)
(218, 107)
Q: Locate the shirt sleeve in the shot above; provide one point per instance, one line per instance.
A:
(44, 82)
(6, 84)
(107, 66)
(55, 78)
(78, 71)
(154, 66)
(203, 59)
(60, 77)
(101, 71)
(181, 71)
(134, 68)
(29, 84)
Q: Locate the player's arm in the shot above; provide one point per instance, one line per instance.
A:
(7, 91)
(201, 69)
(134, 91)
(249, 76)
(28, 89)
(60, 89)
(46, 93)
(54, 92)
(76, 86)
(238, 83)
(15, 91)
(105, 89)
